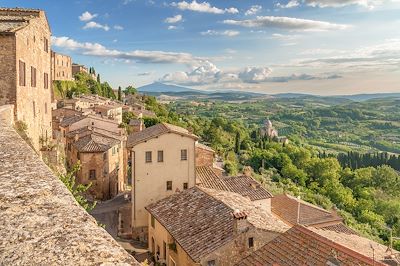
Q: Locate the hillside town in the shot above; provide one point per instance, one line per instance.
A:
(159, 189)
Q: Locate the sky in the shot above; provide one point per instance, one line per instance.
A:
(323, 47)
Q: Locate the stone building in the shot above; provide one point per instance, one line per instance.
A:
(136, 125)
(44, 224)
(76, 68)
(204, 155)
(311, 246)
(101, 160)
(61, 67)
(109, 111)
(203, 226)
(267, 130)
(163, 162)
(25, 68)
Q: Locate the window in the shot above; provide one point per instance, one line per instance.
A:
(46, 80)
(69, 146)
(92, 174)
(160, 156)
(33, 77)
(45, 108)
(169, 185)
(148, 156)
(185, 185)
(105, 156)
(164, 249)
(251, 242)
(46, 45)
(183, 155)
(153, 222)
(78, 156)
(211, 263)
(113, 151)
(34, 108)
(22, 77)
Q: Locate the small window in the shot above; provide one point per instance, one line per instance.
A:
(169, 185)
(185, 185)
(113, 151)
(33, 77)
(78, 156)
(160, 156)
(69, 146)
(251, 242)
(22, 77)
(92, 174)
(153, 222)
(46, 80)
(183, 155)
(105, 156)
(148, 157)
(34, 108)
(45, 108)
(46, 45)
(211, 263)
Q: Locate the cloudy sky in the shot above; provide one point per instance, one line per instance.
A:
(323, 47)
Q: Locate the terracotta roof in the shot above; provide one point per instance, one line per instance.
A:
(339, 228)
(198, 222)
(357, 243)
(243, 185)
(247, 187)
(95, 143)
(286, 207)
(206, 177)
(301, 246)
(258, 217)
(155, 131)
(67, 121)
(201, 220)
(203, 146)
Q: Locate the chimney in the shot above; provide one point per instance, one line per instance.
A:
(240, 221)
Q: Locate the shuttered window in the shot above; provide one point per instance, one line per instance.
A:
(22, 77)
(33, 77)
(46, 80)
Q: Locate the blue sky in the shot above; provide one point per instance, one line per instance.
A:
(322, 47)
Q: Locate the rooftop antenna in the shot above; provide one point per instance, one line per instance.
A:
(373, 253)
(298, 209)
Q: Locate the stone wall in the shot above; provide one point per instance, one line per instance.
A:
(8, 70)
(41, 223)
(204, 157)
(61, 67)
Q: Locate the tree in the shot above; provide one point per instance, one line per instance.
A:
(119, 93)
(98, 78)
(77, 190)
(130, 90)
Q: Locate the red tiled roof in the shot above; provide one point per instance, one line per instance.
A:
(95, 143)
(155, 131)
(339, 228)
(247, 187)
(286, 207)
(243, 185)
(201, 220)
(301, 246)
(207, 178)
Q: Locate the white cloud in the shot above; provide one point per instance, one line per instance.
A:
(174, 19)
(253, 10)
(140, 56)
(287, 23)
(229, 33)
(95, 25)
(290, 4)
(341, 3)
(87, 16)
(284, 37)
(255, 74)
(144, 74)
(118, 27)
(172, 27)
(203, 7)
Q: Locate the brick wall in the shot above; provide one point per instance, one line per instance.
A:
(204, 157)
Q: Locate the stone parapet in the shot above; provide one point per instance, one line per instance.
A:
(41, 223)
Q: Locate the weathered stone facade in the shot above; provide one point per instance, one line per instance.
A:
(61, 67)
(41, 222)
(78, 69)
(25, 70)
(204, 155)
